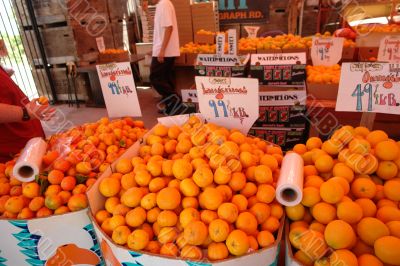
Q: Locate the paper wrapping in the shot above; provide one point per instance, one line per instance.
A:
(289, 190)
(29, 163)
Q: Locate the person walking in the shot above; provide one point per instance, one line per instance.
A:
(165, 50)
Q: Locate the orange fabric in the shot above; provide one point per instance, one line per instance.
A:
(14, 136)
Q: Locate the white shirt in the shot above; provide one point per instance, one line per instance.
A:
(165, 16)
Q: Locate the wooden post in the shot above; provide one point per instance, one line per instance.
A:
(368, 120)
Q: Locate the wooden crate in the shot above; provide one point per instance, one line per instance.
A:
(46, 11)
(120, 10)
(310, 21)
(124, 34)
(87, 14)
(58, 43)
(86, 43)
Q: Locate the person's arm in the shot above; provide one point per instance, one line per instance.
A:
(166, 38)
(13, 113)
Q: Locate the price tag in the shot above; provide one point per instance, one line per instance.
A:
(369, 87)
(389, 49)
(232, 42)
(100, 44)
(119, 89)
(326, 51)
(251, 31)
(229, 102)
(3, 48)
(220, 43)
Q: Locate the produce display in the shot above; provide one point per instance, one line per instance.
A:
(193, 190)
(349, 214)
(71, 165)
(194, 48)
(323, 74)
(378, 28)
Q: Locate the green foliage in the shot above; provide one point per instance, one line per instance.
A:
(15, 47)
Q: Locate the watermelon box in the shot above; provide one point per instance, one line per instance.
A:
(115, 255)
(66, 239)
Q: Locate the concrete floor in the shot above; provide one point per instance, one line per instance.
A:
(67, 117)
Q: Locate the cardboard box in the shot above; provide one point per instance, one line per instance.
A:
(349, 54)
(373, 39)
(69, 237)
(204, 38)
(205, 16)
(279, 74)
(365, 53)
(181, 60)
(322, 91)
(115, 253)
(286, 138)
(191, 59)
(291, 116)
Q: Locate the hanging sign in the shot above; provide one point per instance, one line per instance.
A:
(229, 102)
(3, 48)
(100, 44)
(326, 51)
(119, 89)
(220, 43)
(389, 49)
(369, 87)
(251, 31)
(232, 42)
(243, 11)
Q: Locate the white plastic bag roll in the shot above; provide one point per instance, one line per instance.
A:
(29, 162)
(289, 190)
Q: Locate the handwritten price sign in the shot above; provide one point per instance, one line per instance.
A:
(326, 51)
(369, 87)
(230, 102)
(389, 49)
(119, 90)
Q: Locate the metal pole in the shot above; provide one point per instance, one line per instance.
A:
(31, 12)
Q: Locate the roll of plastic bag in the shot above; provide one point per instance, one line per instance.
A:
(289, 190)
(29, 162)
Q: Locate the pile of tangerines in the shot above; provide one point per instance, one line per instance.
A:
(71, 165)
(323, 74)
(349, 214)
(193, 189)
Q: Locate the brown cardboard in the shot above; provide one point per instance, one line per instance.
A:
(204, 38)
(365, 53)
(191, 59)
(323, 91)
(181, 60)
(269, 51)
(349, 53)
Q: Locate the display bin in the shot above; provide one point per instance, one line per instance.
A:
(322, 91)
(289, 259)
(119, 57)
(119, 255)
(67, 239)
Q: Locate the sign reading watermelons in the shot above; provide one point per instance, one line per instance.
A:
(243, 11)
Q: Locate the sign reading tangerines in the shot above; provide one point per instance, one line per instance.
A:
(326, 51)
(369, 87)
(389, 49)
(229, 102)
(119, 90)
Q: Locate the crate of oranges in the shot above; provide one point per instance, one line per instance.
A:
(323, 81)
(350, 213)
(114, 55)
(45, 222)
(191, 193)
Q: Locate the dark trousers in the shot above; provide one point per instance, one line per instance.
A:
(162, 76)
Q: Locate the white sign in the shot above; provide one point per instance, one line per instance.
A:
(220, 43)
(278, 59)
(100, 44)
(189, 96)
(326, 51)
(389, 49)
(283, 98)
(251, 31)
(369, 87)
(221, 60)
(232, 42)
(119, 90)
(229, 102)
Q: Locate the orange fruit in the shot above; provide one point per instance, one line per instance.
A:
(300, 148)
(14, 204)
(240, 201)
(217, 251)
(203, 176)
(83, 168)
(238, 181)
(361, 248)
(222, 175)
(109, 187)
(249, 190)
(332, 146)
(77, 202)
(190, 202)
(313, 143)
(120, 234)
(295, 235)
(166, 167)
(195, 233)
(261, 211)
(310, 196)
(303, 258)
(167, 234)
(191, 252)
(101, 216)
(369, 260)
(316, 226)
(246, 159)
(132, 197)
(363, 188)
(208, 216)
(26, 213)
(136, 217)
(188, 215)
(218, 230)
(369, 229)
(55, 177)
(265, 193)
(189, 188)
(394, 228)
(167, 218)
(324, 163)
(265, 238)
(247, 222)
(168, 198)
(153, 247)
(111, 203)
(153, 214)
(339, 234)
(331, 192)
(387, 170)
(121, 209)
(138, 239)
(342, 170)
(359, 146)
(143, 178)
(343, 257)
(210, 198)
(196, 152)
(313, 244)
(237, 243)
(36, 203)
(387, 150)
(183, 146)
(169, 249)
(349, 212)
(368, 207)
(43, 212)
(124, 166)
(228, 211)
(53, 202)
(68, 183)
(295, 213)
(376, 136)
(182, 169)
(263, 174)
(388, 213)
(387, 249)
(31, 190)
(391, 190)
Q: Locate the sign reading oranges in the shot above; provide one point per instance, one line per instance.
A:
(326, 51)
(232, 102)
(369, 87)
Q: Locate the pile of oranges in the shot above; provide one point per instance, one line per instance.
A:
(114, 51)
(194, 188)
(377, 28)
(323, 74)
(72, 163)
(194, 48)
(349, 214)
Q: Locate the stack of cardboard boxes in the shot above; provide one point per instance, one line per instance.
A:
(147, 20)
(184, 19)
